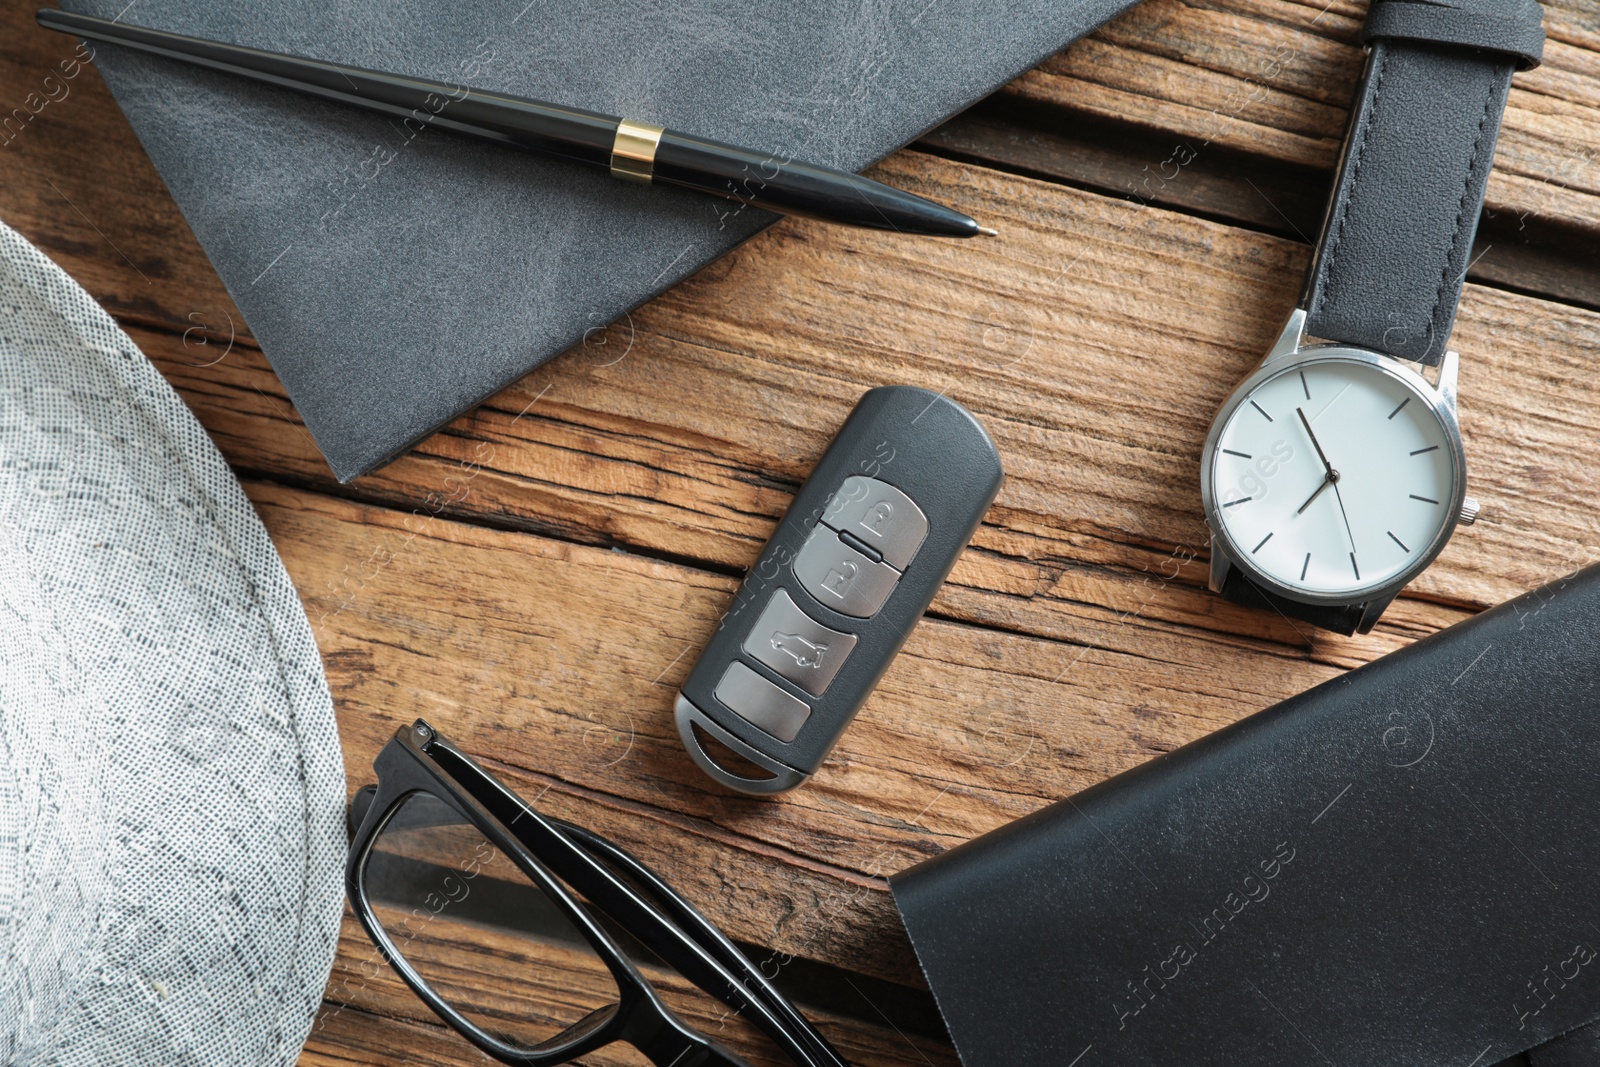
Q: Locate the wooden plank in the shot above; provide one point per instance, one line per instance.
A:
(558, 663)
(1228, 184)
(1525, 252)
(345, 1036)
(1276, 78)
(1096, 340)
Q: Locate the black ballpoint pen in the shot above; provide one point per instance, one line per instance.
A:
(635, 151)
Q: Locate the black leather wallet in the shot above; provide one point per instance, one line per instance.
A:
(1400, 866)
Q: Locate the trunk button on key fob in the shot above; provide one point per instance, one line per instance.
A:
(796, 646)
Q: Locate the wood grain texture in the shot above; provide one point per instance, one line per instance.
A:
(1275, 78)
(537, 578)
(78, 185)
(1096, 342)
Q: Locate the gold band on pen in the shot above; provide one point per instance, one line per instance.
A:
(633, 153)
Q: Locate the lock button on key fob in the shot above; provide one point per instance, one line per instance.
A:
(865, 546)
(880, 516)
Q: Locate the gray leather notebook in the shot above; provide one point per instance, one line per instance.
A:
(395, 280)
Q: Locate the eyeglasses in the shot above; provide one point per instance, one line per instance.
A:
(509, 924)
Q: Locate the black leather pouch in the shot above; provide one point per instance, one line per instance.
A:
(1400, 866)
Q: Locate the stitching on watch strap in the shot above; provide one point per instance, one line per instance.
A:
(1463, 224)
(1325, 268)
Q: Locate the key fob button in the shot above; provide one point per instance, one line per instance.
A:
(761, 703)
(881, 516)
(799, 648)
(841, 578)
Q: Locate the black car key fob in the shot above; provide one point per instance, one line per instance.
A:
(850, 569)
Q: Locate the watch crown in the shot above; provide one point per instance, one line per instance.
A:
(1469, 511)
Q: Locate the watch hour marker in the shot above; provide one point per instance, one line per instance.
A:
(1420, 451)
(1241, 500)
(1304, 386)
(1263, 541)
(1305, 567)
(1424, 499)
(1354, 567)
(1241, 455)
(1397, 541)
(1396, 411)
(1261, 409)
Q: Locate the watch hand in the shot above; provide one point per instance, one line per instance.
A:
(1342, 514)
(1327, 480)
(1314, 443)
(1331, 478)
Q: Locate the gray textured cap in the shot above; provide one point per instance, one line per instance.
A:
(395, 282)
(171, 785)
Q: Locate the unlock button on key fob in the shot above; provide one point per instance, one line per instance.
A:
(842, 578)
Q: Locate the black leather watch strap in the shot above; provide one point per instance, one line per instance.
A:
(1395, 242)
(1340, 618)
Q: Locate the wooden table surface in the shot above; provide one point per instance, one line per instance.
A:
(538, 577)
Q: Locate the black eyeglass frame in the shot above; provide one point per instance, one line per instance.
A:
(551, 852)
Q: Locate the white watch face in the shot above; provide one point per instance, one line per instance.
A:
(1333, 478)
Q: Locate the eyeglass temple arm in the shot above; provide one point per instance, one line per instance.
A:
(749, 988)
(670, 1047)
(695, 925)
(806, 1039)
(689, 922)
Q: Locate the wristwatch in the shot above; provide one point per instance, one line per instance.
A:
(1334, 474)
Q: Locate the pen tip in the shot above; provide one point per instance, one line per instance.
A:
(988, 232)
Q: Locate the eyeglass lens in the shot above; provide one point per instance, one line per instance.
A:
(478, 931)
